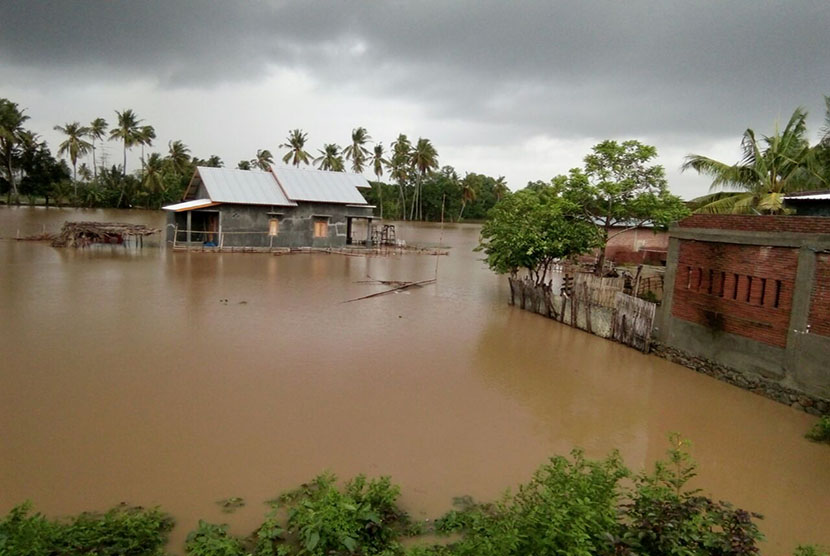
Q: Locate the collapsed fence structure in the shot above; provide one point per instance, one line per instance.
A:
(598, 305)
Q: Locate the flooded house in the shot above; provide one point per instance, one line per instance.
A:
(285, 207)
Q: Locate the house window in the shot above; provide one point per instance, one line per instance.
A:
(273, 227)
(321, 228)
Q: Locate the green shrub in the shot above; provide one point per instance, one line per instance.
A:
(810, 550)
(568, 507)
(213, 540)
(664, 518)
(821, 430)
(363, 518)
(122, 531)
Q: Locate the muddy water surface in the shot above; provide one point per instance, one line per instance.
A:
(126, 376)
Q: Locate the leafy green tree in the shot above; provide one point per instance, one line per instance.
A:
(531, 230)
(128, 132)
(424, 159)
(399, 167)
(13, 138)
(74, 145)
(263, 160)
(356, 151)
(296, 148)
(621, 189)
(330, 158)
(42, 174)
(769, 169)
(243, 165)
(96, 131)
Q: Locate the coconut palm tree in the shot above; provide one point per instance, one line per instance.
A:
(424, 159)
(330, 158)
(74, 145)
(500, 189)
(214, 161)
(296, 145)
(243, 165)
(399, 167)
(356, 152)
(263, 160)
(97, 130)
(769, 169)
(178, 156)
(128, 132)
(378, 163)
(85, 172)
(468, 195)
(153, 181)
(12, 138)
(146, 134)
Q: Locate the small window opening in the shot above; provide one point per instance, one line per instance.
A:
(735, 287)
(711, 279)
(763, 289)
(722, 283)
(321, 228)
(699, 278)
(748, 287)
(777, 293)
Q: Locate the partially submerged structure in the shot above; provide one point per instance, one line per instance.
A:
(286, 207)
(83, 234)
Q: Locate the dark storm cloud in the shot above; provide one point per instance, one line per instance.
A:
(574, 67)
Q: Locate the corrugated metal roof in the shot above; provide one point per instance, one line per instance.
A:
(190, 205)
(813, 197)
(321, 186)
(248, 187)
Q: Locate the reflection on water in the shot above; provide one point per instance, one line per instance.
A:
(128, 377)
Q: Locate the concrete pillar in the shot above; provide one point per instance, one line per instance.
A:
(664, 318)
(189, 221)
(804, 277)
(368, 232)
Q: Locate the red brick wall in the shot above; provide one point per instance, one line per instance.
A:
(741, 289)
(642, 245)
(759, 223)
(820, 300)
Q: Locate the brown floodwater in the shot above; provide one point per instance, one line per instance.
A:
(127, 377)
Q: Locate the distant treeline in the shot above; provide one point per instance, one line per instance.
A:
(416, 188)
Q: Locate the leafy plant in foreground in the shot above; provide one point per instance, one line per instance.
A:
(363, 518)
(213, 540)
(821, 430)
(664, 518)
(122, 531)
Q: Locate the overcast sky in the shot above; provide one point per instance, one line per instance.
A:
(516, 88)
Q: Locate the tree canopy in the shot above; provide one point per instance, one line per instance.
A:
(532, 229)
(769, 168)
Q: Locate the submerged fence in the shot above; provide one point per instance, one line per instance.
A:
(591, 303)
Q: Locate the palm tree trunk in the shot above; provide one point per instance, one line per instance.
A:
(94, 164)
(75, 177)
(460, 214)
(403, 201)
(124, 167)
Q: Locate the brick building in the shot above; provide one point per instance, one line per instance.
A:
(753, 293)
(640, 245)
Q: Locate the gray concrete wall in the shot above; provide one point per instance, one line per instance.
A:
(804, 365)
